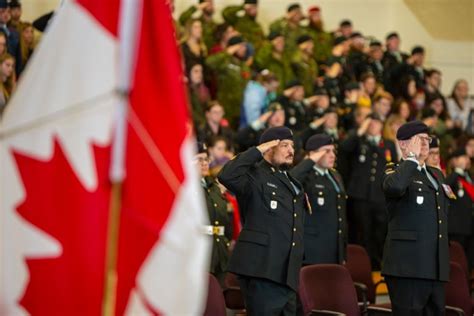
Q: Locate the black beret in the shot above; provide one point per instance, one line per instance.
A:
(14, 4)
(410, 129)
(273, 35)
(458, 153)
(293, 83)
(293, 6)
(273, 133)
(375, 43)
(317, 141)
(250, 1)
(417, 50)
(352, 86)
(434, 141)
(234, 40)
(339, 40)
(345, 23)
(304, 38)
(355, 34)
(391, 35)
(201, 148)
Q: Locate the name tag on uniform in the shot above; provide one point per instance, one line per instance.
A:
(319, 186)
(420, 199)
(273, 204)
(272, 185)
(320, 201)
(419, 182)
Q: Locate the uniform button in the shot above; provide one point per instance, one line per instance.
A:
(372, 179)
(273, 193)
(419, 189)
(294, 244)
(440, 236)
(439, 207)
(375, 155)
(440, 221)
(209, 190)
(338, 196)
(373, 171)
(340, 231)
(217, 240)
(437, 193)
(374, 163)
(338, 207)
(216, 223)
(320, 193)
(294, 215)
(215, 204)
(340, 219)
(294, 229)
(294, 200)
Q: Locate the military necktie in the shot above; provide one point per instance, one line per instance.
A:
(430, 177)
(327, 175)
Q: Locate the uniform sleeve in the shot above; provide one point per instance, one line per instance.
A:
(300, 171)
(234, 174)
(218, 61)
(186, 15)
(397, 180)
(350, 143)
(230, 14)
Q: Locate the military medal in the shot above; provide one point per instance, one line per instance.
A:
(388, 155)
(310, 210)
(448, 191)
(460, 193)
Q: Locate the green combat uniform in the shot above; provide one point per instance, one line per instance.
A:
(208, 25)
(280, 66)
(306, 70)
(290, 33)
(323, 44)
(232, 77)
(250, 29)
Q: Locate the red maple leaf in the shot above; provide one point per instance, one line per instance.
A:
(57, 203)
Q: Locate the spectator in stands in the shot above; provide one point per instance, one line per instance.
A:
(193, 48)
(222, 34)
(289, 26)
(412, 67)
(392, 57)
(198, 93)
(434, 158)
(3, 44)
(203, 11)
(257, 96)
(249, 136)
(347, 107)
(7, 79)
(402, 108)
(324, 40)
(219, 154)
(271, 56)
(303, 64)
(382, 104)
(407, 92)
(445, 123)
(27, 42)
(215, 126)
(345, 29)
(15, 12)
(368, 86)
(13, 37)
(375, 64)
(391, 126)
(232, 76)
(244, 19)
(459, 105)
(357, 60)
(433, 84)
(295, 106)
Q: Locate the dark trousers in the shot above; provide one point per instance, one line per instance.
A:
(371, 226)
(264, 297)
(416, 296)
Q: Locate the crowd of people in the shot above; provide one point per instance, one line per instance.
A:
(244, 80)
(17, 43)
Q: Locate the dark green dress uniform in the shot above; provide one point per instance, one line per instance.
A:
(269, 252)
(295, 113)
(247, 26)
(232, 77)
(208, 25)
(461, 210)
(366, 165)
(416, 253)
(220, 227)
(325, 228)
(323, 44)
(306, 70)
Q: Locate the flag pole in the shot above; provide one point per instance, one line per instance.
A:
(130, 11)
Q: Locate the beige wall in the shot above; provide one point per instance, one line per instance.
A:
(377, 17)
(35, 8)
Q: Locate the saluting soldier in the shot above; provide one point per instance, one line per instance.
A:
(325, 227)
(220, 227)
(416, 253)
(269, 251)
(303, 64)
(244, 19)
(203, 12)
(368, 153)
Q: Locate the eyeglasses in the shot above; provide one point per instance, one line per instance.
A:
(428, 139)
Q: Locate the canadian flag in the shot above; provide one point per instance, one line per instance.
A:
(101, 102)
